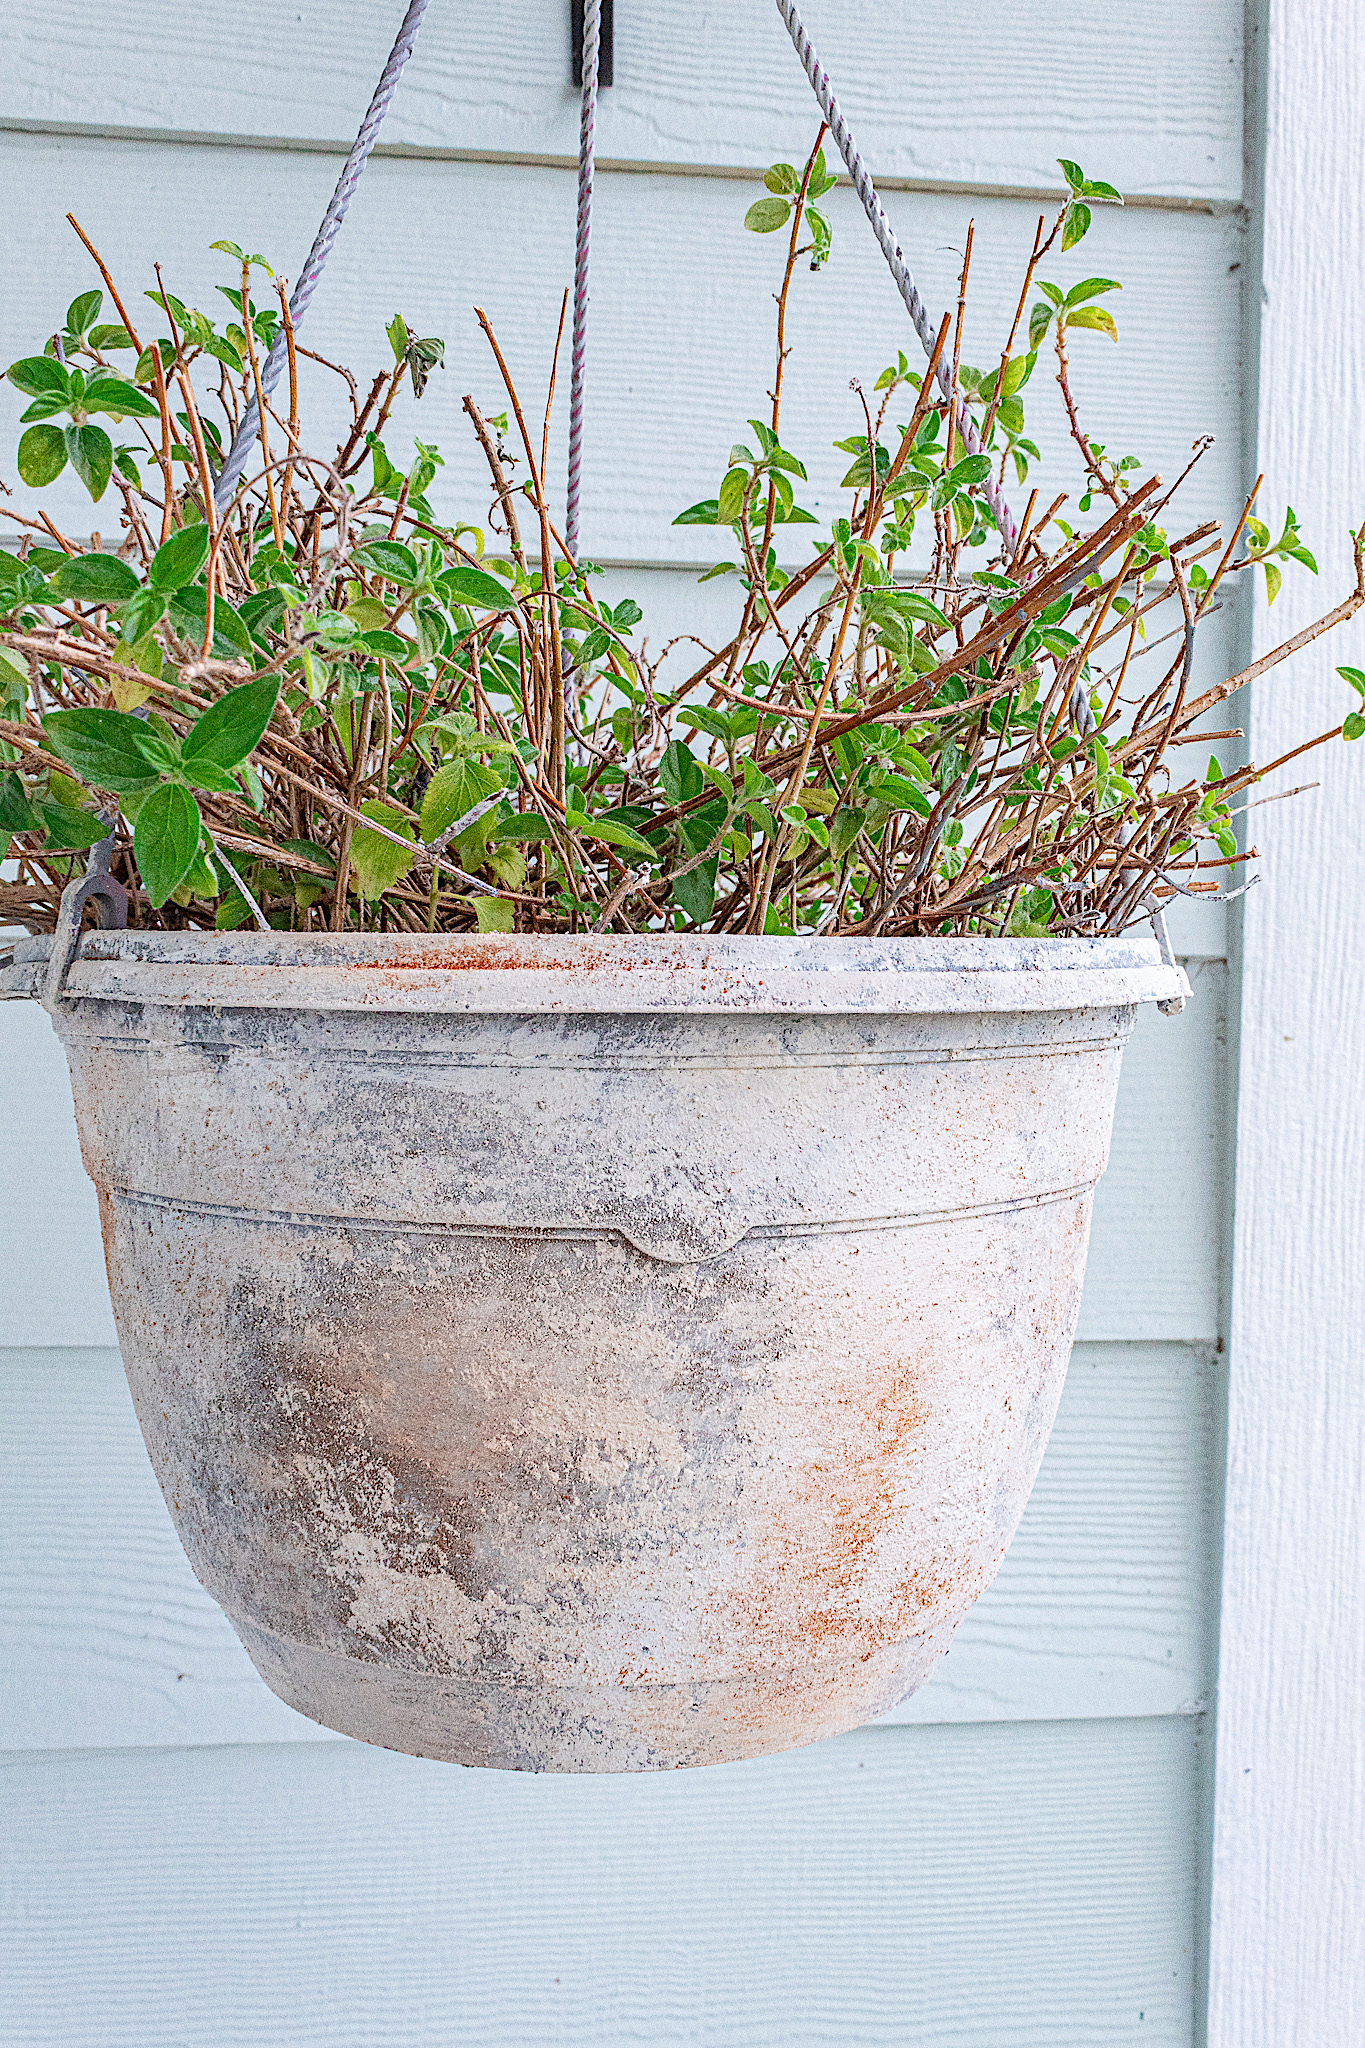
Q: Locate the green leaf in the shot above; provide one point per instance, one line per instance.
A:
(901, 795)
(234, 910)
(756, 783)
(72, 830)
(82, 311)
(859, 473)
(1353, 727)
(1017, 373)
(377, 862)
(115, 395)
(527, 827)
(1072, 172)
(695, 893)
(110, 337)
(767, 215)
(458, 788)
(16, 813)
(39, 377)
(703, 718)
(1091, 289)
(463, 585)
(911, 605)
(1094, 316)
(205, 774)
(680, 773)
(230, 634)
(226, 352)
(397, 332)
(844, 829)
(201, 880)
(613, 833)
(972, 469)
(14, 677)
(91, 454)
(141, 613)
(1273, 580)
(1355, 677)
(1039, 320)
(390, 644)
(42, 456)
(1095, 188)
(705, 513)
(44, 408)
(389, 559)
(494, 913)
(94, 579)
(730, 503)
(230, 729)
(179, 560)
(166, 839)
(1076, 224)
(782, 178)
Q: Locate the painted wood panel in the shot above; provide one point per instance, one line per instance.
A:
(956, 1885)
(1147, 95)
(1101, 1607)
(1156, 1242)
(899, 1888)
(1288, 1939)
(52, 1284)
(681, 344)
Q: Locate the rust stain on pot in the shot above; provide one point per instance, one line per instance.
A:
(594, 1390)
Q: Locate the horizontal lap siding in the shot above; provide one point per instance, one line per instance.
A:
(190, 1861)
(981, 91)
(972, 1887)
(681, 335)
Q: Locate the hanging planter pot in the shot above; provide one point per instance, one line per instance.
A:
(582, 1342)
(594, 1354)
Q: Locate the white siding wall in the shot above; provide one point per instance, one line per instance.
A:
(1018, 1858)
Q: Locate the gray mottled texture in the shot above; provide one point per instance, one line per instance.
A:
(648, 1372)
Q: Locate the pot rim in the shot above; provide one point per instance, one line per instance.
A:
(495, 973)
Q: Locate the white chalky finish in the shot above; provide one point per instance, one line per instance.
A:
(595, 1354)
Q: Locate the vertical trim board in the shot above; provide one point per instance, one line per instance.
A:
(1287, 1962)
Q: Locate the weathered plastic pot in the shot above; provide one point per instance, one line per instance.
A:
(595, 1354)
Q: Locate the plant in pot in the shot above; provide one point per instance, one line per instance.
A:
(595, 1152)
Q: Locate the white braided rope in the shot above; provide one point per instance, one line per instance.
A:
(891, 249)
(592, 46)
(340, 200)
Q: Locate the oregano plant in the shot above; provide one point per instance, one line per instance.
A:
(328, 705)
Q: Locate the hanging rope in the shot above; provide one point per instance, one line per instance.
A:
(322, 245)
(1081, 714)
(891, 249)
(592, 47)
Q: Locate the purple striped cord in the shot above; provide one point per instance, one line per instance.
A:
(355, 163)
(592, 36)
(891, 249)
